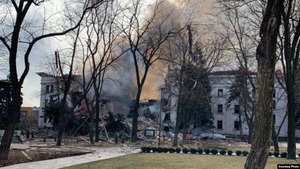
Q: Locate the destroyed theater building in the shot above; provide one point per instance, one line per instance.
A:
(51, 87)
(226, 118)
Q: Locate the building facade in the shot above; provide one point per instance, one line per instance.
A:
(51, 90)
(226, 117)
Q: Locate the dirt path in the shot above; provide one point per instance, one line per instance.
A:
(99, 154)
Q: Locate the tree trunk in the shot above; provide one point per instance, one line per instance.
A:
(97, 109)
(251, 123)
(136, 114)
(175, 140)
(61, 124)
(185, 123)
(250, 133)
(91, 120)
(275, 139)
(241, 126)
(59, 132)
(266, 57)
(179, 111)
(14, 113)
(61, 128)
(291, 61)
(13, 117)
(185, 130)
(178, 117)
(62, 114)
(263, 118)
(91, 126)
(291, 149)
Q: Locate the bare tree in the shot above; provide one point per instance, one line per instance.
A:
(288, 52)
(12, 41)
(101, 46)
(290, 61)
(66, 82)
(63, 69)
(145, 37)
(266, 57)
(240, 21)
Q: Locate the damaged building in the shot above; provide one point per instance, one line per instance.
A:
(51, 90)
(115, 102)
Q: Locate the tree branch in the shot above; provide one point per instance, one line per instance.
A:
(15, 5)
(26, 56)
(5, 43)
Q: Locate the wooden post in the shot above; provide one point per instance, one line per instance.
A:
(100, 114)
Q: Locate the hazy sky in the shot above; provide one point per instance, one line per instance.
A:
(31, 86)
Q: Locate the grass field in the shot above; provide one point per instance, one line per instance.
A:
(177, 161)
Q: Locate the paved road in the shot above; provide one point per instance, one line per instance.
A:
(99, 154)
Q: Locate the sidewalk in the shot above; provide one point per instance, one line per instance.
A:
(99, 154)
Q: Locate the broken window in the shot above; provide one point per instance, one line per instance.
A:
(167, 117)
(236, 125)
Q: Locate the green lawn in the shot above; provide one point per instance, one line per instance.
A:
(174, 161)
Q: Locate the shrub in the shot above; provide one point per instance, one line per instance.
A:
(171, 150)
(116, 138)
(222, 152)
(115, 123)
(207, 151)
(123, 140)
(193, 151)
(143, 149)
(270, 153)
(238, 152)
(276, 154)
(245, 153)
(229, 152)
(214, 151)
(154, 149)
(148, 149)
(185, 150)
(283, 154)
(178, 150)
(159, 149)
(200, 151)
(165, 149)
